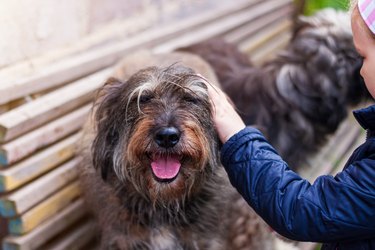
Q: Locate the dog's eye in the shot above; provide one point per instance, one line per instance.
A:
(145, 98)
(191, 99)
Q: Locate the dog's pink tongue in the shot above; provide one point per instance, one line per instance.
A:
(166, 167)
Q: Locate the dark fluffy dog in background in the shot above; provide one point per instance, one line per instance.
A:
(301, 96)
(150, 169)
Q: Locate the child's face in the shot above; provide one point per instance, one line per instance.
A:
(365, 45)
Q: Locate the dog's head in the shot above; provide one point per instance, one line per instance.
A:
(154, 133)
(323, 68)
(325, 42)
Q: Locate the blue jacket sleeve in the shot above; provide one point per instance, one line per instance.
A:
(331, 209)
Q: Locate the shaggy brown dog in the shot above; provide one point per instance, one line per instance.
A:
(299, 98)
(151, 171)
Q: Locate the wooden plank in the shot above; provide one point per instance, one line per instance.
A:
(38, 164)
(307, 245)
(270, 49)
(49, 229)
(225, 24)
(4, 108)
(282, 244)
(13, 104)
(25, 198)
(50, 106)
(299, 9)
(29, 143)
(244, 32)
(76, 239)
(357, 141)
(44, 210)
(325, 162)
(254, 43)
(10, 105)
(74, 67)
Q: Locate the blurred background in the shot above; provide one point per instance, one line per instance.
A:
(55, 24)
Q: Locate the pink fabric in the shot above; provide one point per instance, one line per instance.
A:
(371, 17)
(367, 11)
(364, 5)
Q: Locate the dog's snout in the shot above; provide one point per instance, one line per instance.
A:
(167, 137)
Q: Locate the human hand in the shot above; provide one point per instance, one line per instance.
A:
(227, 120)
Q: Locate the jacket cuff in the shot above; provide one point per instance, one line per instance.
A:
(237, 140)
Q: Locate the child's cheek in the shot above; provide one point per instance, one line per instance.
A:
(369, 75)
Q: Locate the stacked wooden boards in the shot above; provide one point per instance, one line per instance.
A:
(41, 115)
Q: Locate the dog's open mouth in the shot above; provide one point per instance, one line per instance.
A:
(165, 167)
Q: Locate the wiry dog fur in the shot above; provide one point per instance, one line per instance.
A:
(301, 96)
(162, 114)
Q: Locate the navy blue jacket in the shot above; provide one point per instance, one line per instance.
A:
(338, 211)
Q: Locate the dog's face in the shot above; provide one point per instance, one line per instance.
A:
(154, 133)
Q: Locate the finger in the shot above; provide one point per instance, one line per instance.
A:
(215, 92)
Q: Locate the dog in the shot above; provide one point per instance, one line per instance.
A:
(150, 168)
(299, 98)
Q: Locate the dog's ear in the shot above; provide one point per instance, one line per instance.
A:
(109, 87)
(106, 127)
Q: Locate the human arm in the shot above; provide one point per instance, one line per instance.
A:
(331, 209)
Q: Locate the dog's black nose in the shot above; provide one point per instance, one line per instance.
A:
(167, 137)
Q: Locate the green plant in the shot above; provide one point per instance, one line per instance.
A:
(313, 5)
